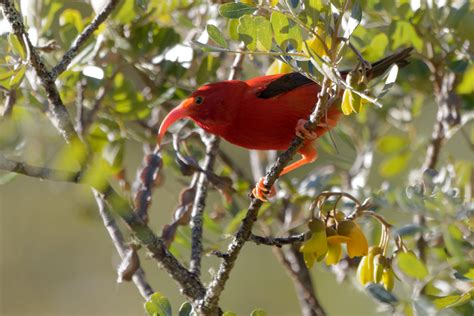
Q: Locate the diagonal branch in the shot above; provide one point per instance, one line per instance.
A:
(216, 286)
(212, 149)
(82, 38)
(293, 262)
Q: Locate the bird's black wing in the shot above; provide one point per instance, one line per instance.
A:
(284, 84)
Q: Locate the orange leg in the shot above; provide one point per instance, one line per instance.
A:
(308, 153)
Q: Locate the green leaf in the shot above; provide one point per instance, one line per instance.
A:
(381, 294)
(470, 274)
(16, 80)
(74, 17)
(413, 267)
(394, 165)
(452, 300)
(285, 30)
(258, 312)
(354, 19)
(256, 32)
(216, 35)
(16, 46)
(186, 309)
(232, 29)
(235, 10)
(404, 34)
(466, 86)
(376, 49)
(389, 144)
(126, 12)
(158, 305)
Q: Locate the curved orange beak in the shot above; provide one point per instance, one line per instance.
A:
(177, 113)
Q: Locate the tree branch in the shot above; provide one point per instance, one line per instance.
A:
(82, 38)
(293, 262)
(117, 239)
(38, 172)
(212, 149)
(210, 301)
(277, 241)
(212, 146)
(56, 111)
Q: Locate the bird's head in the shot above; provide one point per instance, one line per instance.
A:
(211, 107)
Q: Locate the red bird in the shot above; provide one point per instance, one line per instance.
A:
(262, 113)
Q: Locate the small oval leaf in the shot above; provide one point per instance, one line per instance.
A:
(235, 10)
(413, 267)
(216, 35)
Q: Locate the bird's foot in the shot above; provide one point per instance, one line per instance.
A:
(303, 133)
(262, 193)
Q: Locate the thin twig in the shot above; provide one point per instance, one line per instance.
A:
(117, 239)
(38, 172)
(82, 38)
(212, 145)
(293, 262)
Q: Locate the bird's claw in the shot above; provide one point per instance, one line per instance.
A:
(303, 133)
(262, 193)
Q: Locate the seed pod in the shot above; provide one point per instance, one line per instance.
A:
(388, 279)
(363, 274)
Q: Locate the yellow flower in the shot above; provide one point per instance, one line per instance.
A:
(316, 247)
(334, 253)
(357, 244)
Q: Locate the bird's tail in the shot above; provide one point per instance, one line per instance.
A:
(380, 66)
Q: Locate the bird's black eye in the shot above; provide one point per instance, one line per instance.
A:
(198, 100)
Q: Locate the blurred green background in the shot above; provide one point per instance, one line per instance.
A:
(57, 259)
